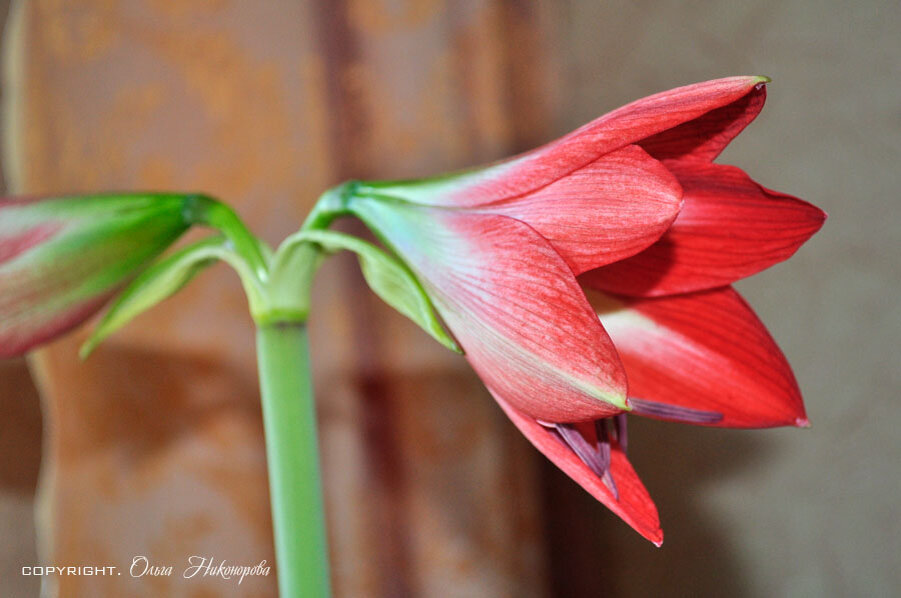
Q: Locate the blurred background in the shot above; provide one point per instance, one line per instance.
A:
(153, 446)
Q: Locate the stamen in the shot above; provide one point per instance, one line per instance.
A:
(597, 459)
(619, 424)
(600, 428)
(587, 453)
(674, 412)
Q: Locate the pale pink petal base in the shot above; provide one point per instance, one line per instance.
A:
(513, 305)
(20, 337)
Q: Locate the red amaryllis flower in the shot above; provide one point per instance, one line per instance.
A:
(631, 207)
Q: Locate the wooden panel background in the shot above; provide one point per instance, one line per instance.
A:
(430, 491)
(154, 444)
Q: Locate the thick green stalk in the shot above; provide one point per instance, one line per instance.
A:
(289, 418)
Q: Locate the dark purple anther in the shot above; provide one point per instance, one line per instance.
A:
(600, 428)
(589, 455)
(596, 458)
(619, 423)
(674, 412)
(603, 434)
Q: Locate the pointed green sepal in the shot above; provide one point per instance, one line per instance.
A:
(387, 276)
(166, 277)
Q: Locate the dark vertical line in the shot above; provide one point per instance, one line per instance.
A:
(525, 68)
(4, 13)
(464, 55)
(341, 52)
(348, 131)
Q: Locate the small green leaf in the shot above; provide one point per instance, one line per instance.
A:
(387, 276)
(163, 279)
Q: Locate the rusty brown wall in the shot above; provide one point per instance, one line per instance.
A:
(154, 444)
(156, 439)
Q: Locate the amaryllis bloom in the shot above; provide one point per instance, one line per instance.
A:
(61, 259)
(631, 207)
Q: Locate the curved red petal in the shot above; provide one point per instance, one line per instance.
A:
(512, 303)
(604, 212)
(540, 167)
(704, 352)
(705, 137)
(633, 504)
(729, 228)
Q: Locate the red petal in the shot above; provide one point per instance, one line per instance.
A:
(533, 170)
(634, 505)
(604, 212)
(729, 228)
(704, 351)
(512, 303)
(704, 138)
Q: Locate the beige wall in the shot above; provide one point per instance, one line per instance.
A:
(752, 513)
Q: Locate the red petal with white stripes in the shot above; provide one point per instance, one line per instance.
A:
(729, 228)
(604, 212)
(691, 357)
(704, 138)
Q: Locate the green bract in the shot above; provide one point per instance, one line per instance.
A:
(388, 278)
(165, 278)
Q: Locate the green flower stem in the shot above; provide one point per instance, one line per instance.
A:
(331, 205)
(213, 212)
(289, 418)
